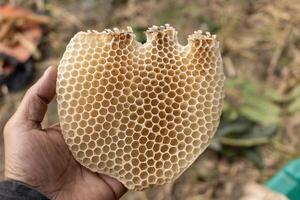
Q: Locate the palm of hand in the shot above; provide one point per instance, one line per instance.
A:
(48, 165)
(40, 158)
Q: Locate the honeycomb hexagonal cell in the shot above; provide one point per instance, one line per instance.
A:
(141, 113)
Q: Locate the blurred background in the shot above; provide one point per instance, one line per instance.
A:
(260, 40)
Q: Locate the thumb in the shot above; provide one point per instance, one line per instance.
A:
(34, 105)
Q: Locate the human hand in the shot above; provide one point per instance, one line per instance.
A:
(40, 158)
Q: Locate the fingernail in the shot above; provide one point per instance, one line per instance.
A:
(45, 72)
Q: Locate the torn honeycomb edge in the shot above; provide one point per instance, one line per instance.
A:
(194, 39)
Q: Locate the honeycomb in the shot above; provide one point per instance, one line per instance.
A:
(141, 113)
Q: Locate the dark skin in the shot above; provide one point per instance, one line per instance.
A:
(40, 158)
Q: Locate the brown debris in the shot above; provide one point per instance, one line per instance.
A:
(20, 32)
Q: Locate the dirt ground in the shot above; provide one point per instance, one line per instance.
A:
(260, 40)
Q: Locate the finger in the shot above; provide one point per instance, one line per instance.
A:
(35, 102)
(115, 185)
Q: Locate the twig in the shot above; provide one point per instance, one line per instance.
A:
(40, 19)
(36, 18)
(228, 65)
(279, 49)
(285, 149)
(244, 142)
(5, 27)
(28, 45)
